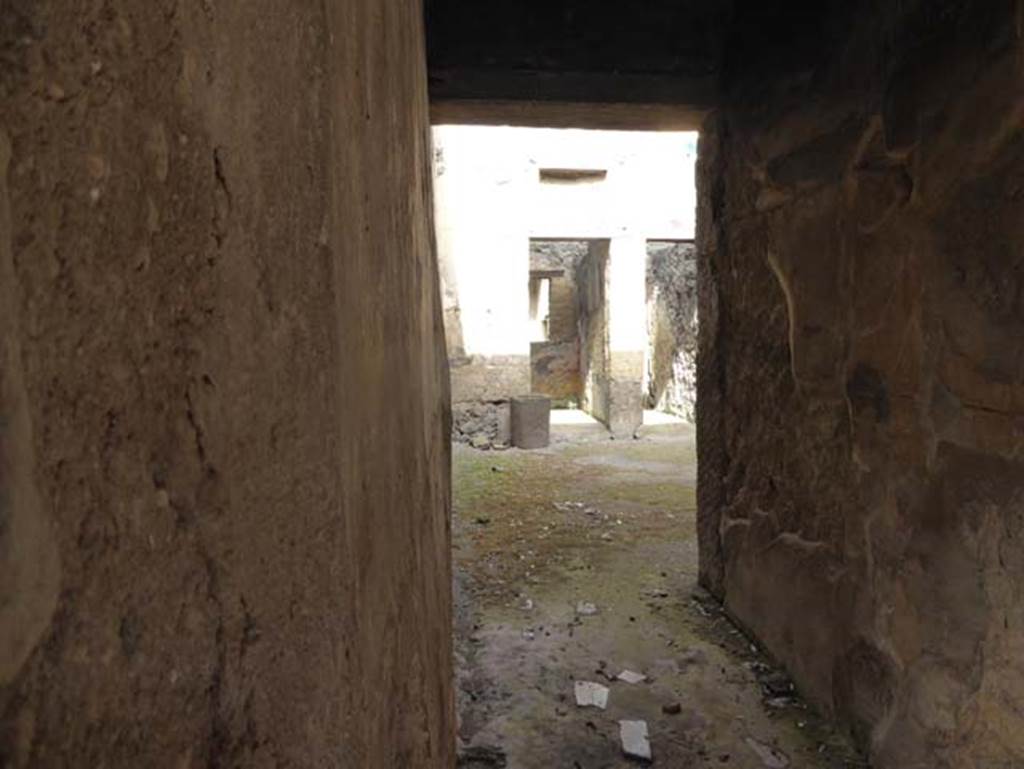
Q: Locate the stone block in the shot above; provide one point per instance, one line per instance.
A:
(531, 421)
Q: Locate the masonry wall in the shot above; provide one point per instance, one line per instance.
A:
(861, 475)
(592, 278)
(224, 535)
(555, 362)
(564, 255)
(563, 307)
(670, 376)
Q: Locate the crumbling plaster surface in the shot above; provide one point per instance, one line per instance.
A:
(564, 255)
(592, 282)
(670, 366)
(555, 363)
(861, 376)
(225, 531)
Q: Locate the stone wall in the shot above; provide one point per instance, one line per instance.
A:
(482, 424)
(489, 377)
(555, 371)
(563, 323)
(591, 279)
(563, 255)
(861, 413)
(223, 420)
(670, 377)
(555, 363)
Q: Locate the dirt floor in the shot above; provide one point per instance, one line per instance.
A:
(577, 562)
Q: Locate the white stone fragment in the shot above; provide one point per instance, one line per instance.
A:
(586, 609)
(632, 677)
(591, 695)
(635, 743)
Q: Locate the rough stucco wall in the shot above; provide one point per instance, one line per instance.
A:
(489, 378)
(555, 371)
(861, 497)
(591, 277)
(555, 364)
(670, 371)
(564, 324)
(225, 519)
(566, 256)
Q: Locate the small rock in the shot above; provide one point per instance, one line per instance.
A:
(635, 743)
(632, 677)
(672, 708)
(480, 441)
(586, 609)
(591, 695)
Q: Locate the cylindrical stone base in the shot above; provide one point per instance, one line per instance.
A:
(531, 421)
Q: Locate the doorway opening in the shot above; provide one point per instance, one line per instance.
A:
(569, 272)
(559, 350)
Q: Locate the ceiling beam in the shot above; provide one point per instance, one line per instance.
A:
(571, 99)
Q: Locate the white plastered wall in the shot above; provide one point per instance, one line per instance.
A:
(490, 201)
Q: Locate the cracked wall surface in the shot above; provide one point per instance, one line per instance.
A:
(670, 365)
(861, 372)
(555, 362)
(223, 519)
(591, 312)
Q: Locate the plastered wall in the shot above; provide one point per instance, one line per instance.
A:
(592, 289)
(861, 393)
(224, 536)
(670, 366)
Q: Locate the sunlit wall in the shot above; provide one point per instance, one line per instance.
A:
(491, 198)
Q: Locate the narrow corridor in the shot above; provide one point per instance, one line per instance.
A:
(578, 562)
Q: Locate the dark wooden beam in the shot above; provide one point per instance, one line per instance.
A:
(549, 114)
(694, 90)
(570, 99)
